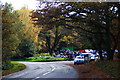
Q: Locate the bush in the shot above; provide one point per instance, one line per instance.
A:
(27, 48)
(6, 64)
(31, 58)
(48, 57)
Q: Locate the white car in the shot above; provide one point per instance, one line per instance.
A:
(87, 56)
(79, 59)
(95, 57)
(92, 57)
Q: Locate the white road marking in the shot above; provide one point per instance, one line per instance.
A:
(53, 68)
(37, 77)
(46, 73)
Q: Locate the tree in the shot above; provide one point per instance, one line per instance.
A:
(95, 20)
(49, 18)
(29, 30)
(11, 28)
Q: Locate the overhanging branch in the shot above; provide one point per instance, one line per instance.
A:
(72, 27)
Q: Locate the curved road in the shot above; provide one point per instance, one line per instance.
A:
(37, 70)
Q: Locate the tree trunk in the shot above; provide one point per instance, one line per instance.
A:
(51, 47)
(48, 44)
(51, 51)
(99, 41)
(100, 53)
(56, 40)
(110, 54)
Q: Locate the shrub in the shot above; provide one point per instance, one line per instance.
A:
(48, 57)
(6, 64)
(31, 58)
(27, 48)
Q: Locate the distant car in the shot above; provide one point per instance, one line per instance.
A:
(97, 57)
(79, 59)
(104, 54)
(87, 56)
(92, 57)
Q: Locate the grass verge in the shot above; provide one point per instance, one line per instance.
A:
(16, 67)
(112, 68)
(40, 59)
(44, 59)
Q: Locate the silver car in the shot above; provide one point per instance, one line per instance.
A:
(79, 59)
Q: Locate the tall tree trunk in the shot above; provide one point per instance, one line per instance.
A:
(51, 47)
(48, 44)
(109, 46)
(110, 54)
(99, 39)
(57, 39)
(51, 51)
(100, 53)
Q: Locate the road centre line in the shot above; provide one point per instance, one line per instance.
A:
(53, 68)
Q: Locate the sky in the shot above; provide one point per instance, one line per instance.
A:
(32, 4)
(17, 4)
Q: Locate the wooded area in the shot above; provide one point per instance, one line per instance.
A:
(79, 25)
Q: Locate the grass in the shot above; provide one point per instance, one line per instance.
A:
(40, 59)
(16, 67)
(110, 67)
(45, 59)
(41, 54)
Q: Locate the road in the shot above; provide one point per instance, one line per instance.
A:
(37, 70)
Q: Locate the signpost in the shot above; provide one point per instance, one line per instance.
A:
(70, 48)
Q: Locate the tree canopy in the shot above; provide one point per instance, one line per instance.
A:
(92, 21)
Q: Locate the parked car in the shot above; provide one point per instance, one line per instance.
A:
(97, 57)
(79, 59)
(87, 56)
(94, 56)
(104, 54)
(90, 56)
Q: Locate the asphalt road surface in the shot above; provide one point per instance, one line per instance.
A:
(37, 70)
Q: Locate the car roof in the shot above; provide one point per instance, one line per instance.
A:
(78, 56)
(85, 53)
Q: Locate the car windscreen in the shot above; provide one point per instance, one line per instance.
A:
(82, 54)
(79, 57)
